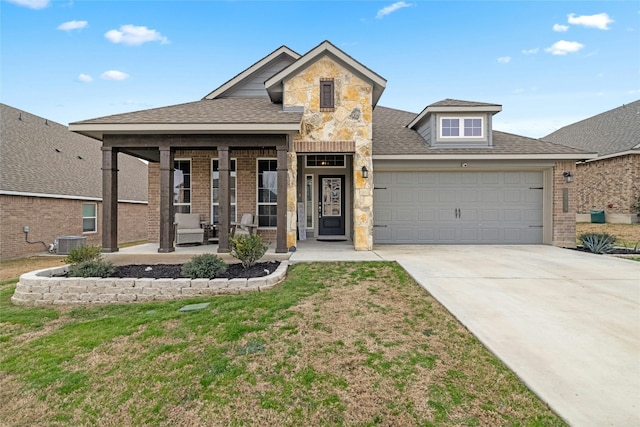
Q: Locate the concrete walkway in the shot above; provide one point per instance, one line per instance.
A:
(566, 322)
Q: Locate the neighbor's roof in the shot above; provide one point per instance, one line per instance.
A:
(392, 137)
(613, 132)
(41, 157)
(203, 116)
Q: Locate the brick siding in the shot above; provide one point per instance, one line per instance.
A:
(564, 223)
(49, 218)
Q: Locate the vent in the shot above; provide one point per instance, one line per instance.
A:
(68, 243)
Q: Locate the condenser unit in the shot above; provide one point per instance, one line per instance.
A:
(68, 243)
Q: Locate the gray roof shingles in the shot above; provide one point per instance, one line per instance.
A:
(391, 136)
(614, 131)
(41, 156)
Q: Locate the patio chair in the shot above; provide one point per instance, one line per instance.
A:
(248, 225)
(188, 229)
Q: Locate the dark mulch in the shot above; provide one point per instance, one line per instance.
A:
(614, 251)
(172, 271)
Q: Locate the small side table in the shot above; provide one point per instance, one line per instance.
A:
(210, 233)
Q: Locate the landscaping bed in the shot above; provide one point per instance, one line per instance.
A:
(173, 271)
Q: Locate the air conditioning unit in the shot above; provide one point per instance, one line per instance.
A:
(68, 243)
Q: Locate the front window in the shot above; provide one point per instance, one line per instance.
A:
(89, 217)
(325, 160)
(461, 127)
(309, 200)
(182, 186)
(267, 193)
(215, 190)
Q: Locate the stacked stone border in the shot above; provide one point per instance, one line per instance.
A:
(42, 287)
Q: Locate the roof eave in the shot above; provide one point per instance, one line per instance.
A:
(488, 156)
(493, 109)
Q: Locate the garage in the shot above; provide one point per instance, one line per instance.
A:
(470, 207)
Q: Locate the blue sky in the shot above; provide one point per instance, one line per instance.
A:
(548, 63)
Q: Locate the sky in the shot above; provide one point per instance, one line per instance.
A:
(548, 63)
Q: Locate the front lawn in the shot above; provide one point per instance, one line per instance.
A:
(352, 344)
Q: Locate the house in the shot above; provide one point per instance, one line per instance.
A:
(51, 186)
(609, 182)
(300, 141)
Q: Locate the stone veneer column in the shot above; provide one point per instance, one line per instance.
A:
(292, 198)
(363, 197)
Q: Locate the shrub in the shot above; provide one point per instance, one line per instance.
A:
(92, 268)
(83, 253)
(248, 249)
(598, 243)
(636, 205)
(205, 266)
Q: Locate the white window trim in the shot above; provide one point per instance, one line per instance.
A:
(186, 159)
(258, 204)
(461, 123)
(313, 200)
(344, 160)
(95, 218)
(232, 160)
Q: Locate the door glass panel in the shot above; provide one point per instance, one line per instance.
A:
(331, 197)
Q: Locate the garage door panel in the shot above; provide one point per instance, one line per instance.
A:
(489, 207)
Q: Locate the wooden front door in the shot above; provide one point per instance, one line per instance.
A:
(331, 216)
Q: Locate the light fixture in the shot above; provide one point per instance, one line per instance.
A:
(568, 176)
(365, 172)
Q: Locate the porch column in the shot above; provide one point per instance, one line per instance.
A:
(166, 200)
(224, 199)
(109, 199)
(281, 232)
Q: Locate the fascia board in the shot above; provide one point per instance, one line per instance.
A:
(610, 156)
(65, 196)
(576, 157)
(252, 69)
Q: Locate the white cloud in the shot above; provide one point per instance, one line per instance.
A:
(504, 59)
(563, 47)
(73, 25)
(114, 75)
(560, 28)
(531, 51)
(387, 10)
(85, 78)
(31, 4)
(600, 21)
(135, 35)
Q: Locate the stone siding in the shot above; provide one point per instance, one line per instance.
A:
(564, 223)
(50, 218)
(41, 288)
(612, 185)
(349, 120)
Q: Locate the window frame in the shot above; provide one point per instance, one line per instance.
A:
(94, 217)
(270, 203)
(327, 94)
(461, 127)
(233, 173)
(180, 207)
(328, 158)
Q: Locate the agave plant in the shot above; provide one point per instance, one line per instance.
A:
(598, 243)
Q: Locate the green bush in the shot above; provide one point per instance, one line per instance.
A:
(598, 243)
(636, 205)
(92, 268)
(205, 266)
(248, 249)
(83, 253)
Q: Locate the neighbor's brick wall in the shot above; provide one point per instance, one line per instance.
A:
(614, 181)
(49, 218)
(246, 169)
(564, 223)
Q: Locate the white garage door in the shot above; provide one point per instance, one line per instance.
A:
(502, 207)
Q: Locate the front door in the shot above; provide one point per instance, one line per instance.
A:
(331, 205)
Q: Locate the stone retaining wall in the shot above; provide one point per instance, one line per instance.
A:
(43, 288)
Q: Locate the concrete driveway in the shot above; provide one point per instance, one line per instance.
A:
(566, 322)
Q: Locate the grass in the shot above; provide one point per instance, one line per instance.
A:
(340, 344)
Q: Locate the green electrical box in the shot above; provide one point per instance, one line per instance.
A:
(597, 217)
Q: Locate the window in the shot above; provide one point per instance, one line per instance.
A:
(89, 218)
(267, 193)
(182, 186)
(326, 94)
(309, 200)
(325, 160)
(461, 127)
(215, 191)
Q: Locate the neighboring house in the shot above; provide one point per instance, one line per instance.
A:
(611, 181)
(51, 182)
(300, 141)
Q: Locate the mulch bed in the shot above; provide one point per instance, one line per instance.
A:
(614, 251)
(172, 271)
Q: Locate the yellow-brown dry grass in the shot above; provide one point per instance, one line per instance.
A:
(626, 234)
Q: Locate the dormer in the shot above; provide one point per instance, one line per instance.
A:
(456, 124)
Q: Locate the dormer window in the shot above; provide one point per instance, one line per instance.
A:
(461, 127)
(327, 98)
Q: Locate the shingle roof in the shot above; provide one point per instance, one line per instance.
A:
(392, 137)
(44, 157)
(611, 132)
(459, 103)
(207, 111)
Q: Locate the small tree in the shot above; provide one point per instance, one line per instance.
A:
(248, 249)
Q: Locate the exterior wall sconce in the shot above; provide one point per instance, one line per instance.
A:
(568, 176)
(365, 172)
